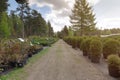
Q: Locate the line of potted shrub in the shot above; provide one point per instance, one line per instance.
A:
(95, 50)
(96, 47)
(114, 65)
(14, 53)
(111, 46)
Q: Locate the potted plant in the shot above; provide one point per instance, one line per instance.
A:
(111, 46)
(95, 50)
(114, 65)
(84, 47)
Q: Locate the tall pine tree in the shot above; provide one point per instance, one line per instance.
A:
(50, 30)
(3, 5)
(4, 28)
(22, 8)
(82, 18)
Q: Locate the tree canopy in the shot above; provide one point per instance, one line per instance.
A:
(82, 18)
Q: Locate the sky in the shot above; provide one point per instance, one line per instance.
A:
(107, 12)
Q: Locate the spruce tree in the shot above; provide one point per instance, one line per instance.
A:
(82, 18)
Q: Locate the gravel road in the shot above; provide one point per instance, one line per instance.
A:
(64, 63)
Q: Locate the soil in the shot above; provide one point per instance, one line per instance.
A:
(62, 62)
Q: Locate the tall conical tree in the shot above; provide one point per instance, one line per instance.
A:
(65, 31)
(4, 29)
(23, 6)
(3, 5)
(50, 30)
(82, 18)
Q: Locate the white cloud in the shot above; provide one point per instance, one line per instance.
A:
(61, 9)
(59, 15)
(108, 23)
(93, 2)
(57, 20)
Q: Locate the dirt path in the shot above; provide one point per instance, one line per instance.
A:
(64, 63)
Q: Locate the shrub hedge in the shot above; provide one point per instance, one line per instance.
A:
(95, 47)
(95, 50)
(114, 65)
(111, 46)
(14, 53)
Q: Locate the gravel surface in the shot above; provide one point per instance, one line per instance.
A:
(64, 63)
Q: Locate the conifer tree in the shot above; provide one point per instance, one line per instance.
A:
(82, 18)
(4, 29)
(3, 5)
(23, 6)
(65, 31)
(50, 30)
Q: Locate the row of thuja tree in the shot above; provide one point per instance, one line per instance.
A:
(97, 48)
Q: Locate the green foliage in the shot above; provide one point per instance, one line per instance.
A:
(70, 32)
(63, 33)
(82, 18)
(4, 28)
(83, 47)
(50, 30)
(111, 46)
(15, 53)
(114, 66)
(3, 6)
(114, 60)
(74, 42)
(87, 43)
(36, 25)
(16, 25)
(42, 40)
(68, 40)
(79, 41)
(110, 31)
(95, 50)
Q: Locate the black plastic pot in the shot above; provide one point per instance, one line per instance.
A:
(95, 59)
(13, 64)
(85, 53)
(4, 68)
(29, 55)
(114, 71)
(89, 55)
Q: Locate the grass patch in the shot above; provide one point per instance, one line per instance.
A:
(20, 73)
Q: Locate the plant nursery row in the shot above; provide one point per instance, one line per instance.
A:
(16, 52)
(97, 48)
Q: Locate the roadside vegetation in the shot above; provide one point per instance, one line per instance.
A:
(19, 73)
(97, 48)
(23, 33)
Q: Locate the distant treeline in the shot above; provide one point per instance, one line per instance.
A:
(110, 31)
